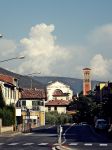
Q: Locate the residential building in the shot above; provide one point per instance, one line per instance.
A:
(57, 105)
(103, 91)
(10, 89)
(32, 103)
(59, 95)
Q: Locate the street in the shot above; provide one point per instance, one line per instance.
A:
(76, 137)
(28, 141)
(84, 137)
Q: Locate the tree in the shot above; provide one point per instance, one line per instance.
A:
(2, 102)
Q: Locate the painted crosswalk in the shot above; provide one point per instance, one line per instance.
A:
(43, 144)
(90, 144)
(13, 144)
(1, 143)
(47, 144)
(28, 144)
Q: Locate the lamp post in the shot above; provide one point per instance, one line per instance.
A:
(1, 35)
(31, 74)
(20, 57)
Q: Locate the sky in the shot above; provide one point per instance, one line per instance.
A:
(57, 37)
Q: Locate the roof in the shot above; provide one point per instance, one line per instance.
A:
(59, 92)
(33, 94)
(86, 69)
(6, 78)
(53, 82)
(57, 103)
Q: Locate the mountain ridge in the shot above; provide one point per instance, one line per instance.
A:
(42, 81)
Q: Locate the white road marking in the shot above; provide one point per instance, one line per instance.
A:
(88, 144)
(43, 144)
(53, 148)
(13, 143)
(28, 144)
(27, 133)
(73, 144)
(103, 144)
(1, 143)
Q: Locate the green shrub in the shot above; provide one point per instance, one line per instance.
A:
(55, 118)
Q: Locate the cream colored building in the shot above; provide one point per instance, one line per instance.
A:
(59, 90)
(59, 95)
(10, 89)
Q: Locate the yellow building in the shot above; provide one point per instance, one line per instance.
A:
(32, 103)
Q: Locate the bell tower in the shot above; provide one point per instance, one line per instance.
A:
(86, 81)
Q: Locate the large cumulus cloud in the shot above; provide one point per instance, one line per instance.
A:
(43, 53)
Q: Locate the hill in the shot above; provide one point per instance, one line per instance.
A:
(42, 81)
(24, 81)
(75, 84)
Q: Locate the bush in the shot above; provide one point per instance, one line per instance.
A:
(7, 115)
(55, 118)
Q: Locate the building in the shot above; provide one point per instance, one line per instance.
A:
(59, 95)
(57, 105)
(32, 104)
(10, 89)
(86, 81)
(103, 91)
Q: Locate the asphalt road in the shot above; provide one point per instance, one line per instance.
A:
(76, 137)
(84, 137)
(32, 141)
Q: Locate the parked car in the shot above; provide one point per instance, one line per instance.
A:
(101, 124)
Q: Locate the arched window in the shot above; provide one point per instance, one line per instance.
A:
(58, 92)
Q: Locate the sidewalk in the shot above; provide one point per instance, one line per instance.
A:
(10, 134)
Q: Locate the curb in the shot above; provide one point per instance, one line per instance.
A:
(10, 134)
(61, 148)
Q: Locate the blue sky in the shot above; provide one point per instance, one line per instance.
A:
(78, 34)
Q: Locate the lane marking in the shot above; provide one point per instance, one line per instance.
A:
(75, 144)
(43, 144)
(1, 143)
(28, 133)
(28, 144)
(13, 144)
(102, 144)
(88, 144)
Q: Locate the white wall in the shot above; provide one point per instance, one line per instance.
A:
(58, 85)
(60, 110)
(11, 96)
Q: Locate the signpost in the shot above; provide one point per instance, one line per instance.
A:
(60, 130)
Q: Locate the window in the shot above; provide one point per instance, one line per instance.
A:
(55, 108)
(49, 108)
(23, 103)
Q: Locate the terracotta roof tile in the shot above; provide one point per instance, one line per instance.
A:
(57, 103)
(33, 94)
(6, 78)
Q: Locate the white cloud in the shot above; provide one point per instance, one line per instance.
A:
(44, 54)
(41, 51)
(101, 67)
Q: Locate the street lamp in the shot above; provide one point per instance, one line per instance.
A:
(1, 35)
(31, 74)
